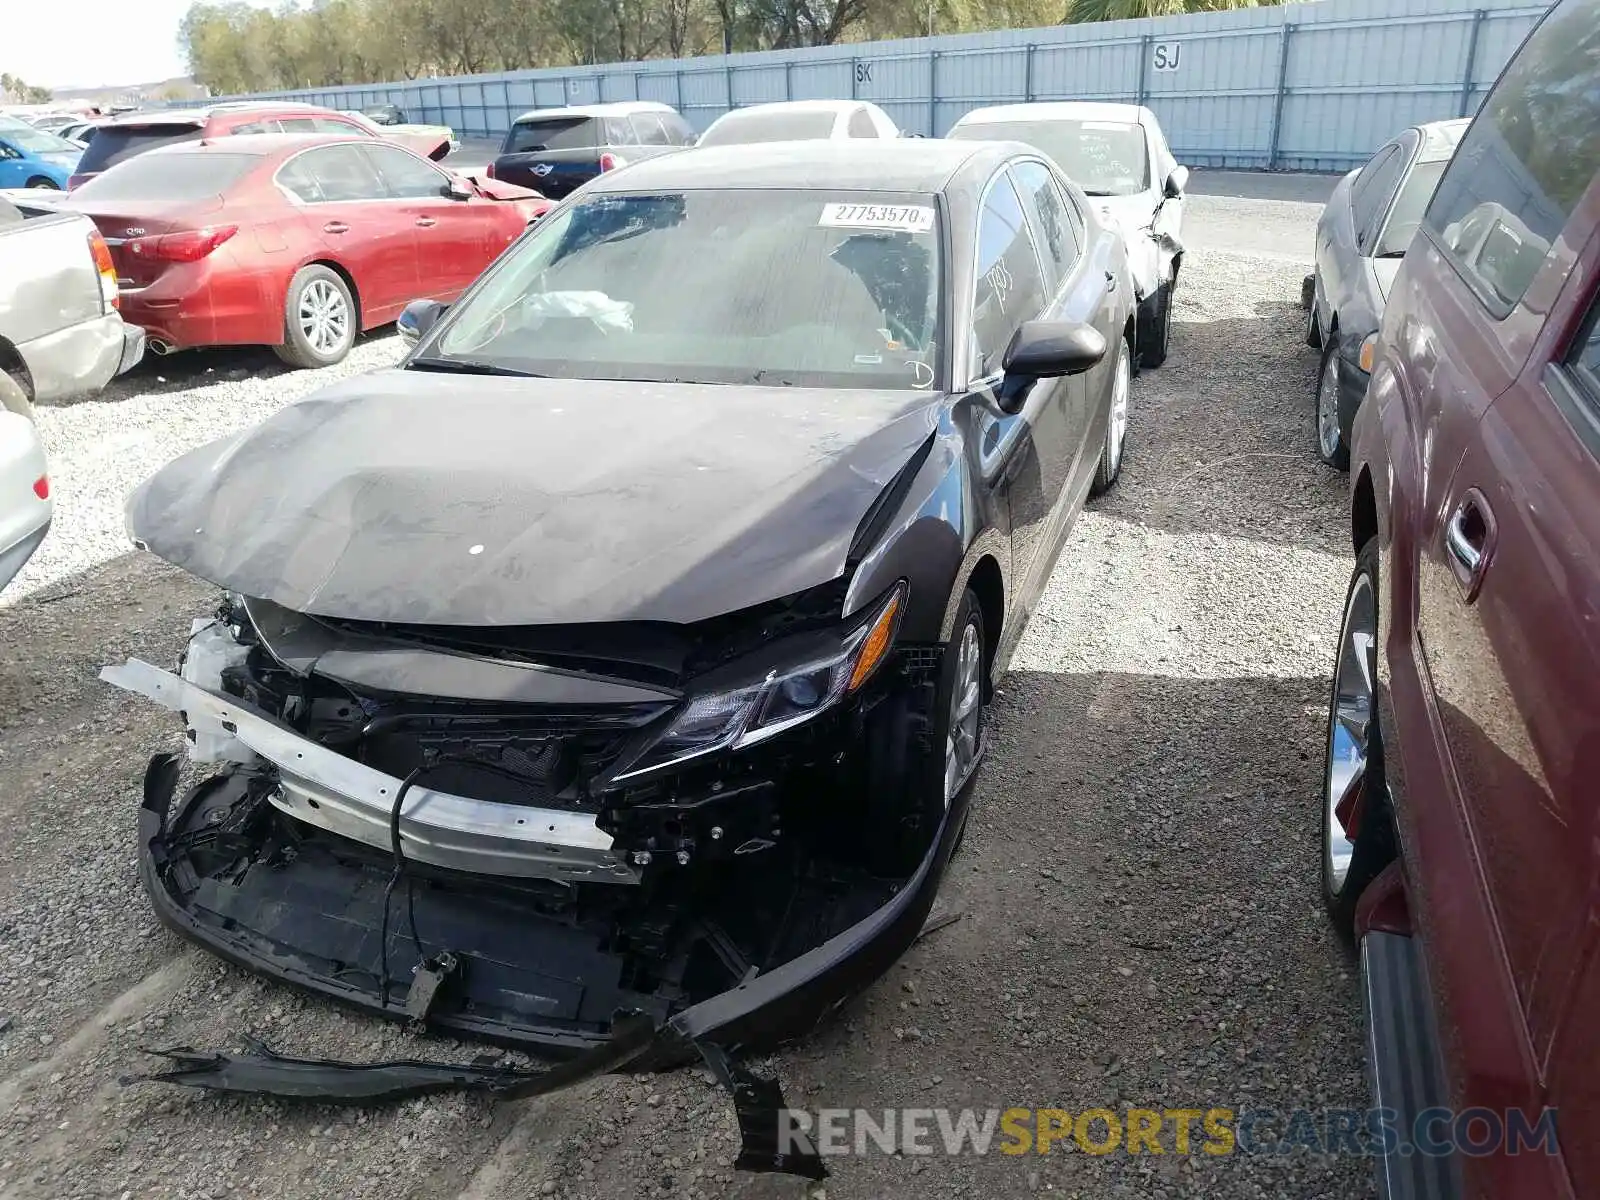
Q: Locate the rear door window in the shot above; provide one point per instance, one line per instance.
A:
(861, 125)
(1525, 162)
(333, 173)
(1055, 226)
(553, 133)
(118, 143)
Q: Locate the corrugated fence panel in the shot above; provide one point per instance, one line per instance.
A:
(1313, 86)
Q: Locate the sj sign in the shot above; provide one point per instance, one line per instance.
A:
(1166, 56)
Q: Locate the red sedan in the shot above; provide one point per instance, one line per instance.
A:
(292, 242)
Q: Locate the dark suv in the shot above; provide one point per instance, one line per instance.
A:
(1461, 809)
(558, 150)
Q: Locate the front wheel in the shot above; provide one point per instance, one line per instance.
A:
(960, 697)
(1109, 468)
(1333, 446)
(40, 183)
(319, 319)
(1155, 325)
(1353, 788)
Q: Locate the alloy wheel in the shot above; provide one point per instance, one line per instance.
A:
(324, 316)
(1117, 434)
(1328, 406)
(966, 710)
(1350, 726)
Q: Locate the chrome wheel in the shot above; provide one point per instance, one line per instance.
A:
(324, 316)
(966, 711)
(1349, 726)
(1328, 406)
(1117, 431)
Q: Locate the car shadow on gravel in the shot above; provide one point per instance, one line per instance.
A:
(1220, 437)
(1141, 929)
(158, 375)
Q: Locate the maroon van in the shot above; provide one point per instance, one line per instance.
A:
(1461, 808)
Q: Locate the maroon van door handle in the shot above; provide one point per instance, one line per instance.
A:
(336, 227)
(1469, 539)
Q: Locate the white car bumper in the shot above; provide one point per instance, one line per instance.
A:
(24, 513)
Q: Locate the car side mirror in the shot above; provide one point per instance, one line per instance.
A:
(1046, 350)
(459, 189)
(417, 319)
(1176, 182)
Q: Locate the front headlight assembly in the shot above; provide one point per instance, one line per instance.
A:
(814, 674)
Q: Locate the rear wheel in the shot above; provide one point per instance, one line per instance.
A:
(1353, 788)
(319, 319)
(1109, 469)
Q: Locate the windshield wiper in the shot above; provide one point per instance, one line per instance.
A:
(1391, 254)
(468, 366)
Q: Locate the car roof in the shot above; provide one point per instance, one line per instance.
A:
(203, 113)
(833, 106)
(619, 108)
(1060, 110)
(263, 145)
(911, 165)
(1440, 138)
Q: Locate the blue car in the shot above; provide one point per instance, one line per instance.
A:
(31, 157)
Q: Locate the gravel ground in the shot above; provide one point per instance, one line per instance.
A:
(1141, 918)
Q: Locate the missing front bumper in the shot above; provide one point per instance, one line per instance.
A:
(224, 870)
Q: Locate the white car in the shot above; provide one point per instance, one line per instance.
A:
(25, 501)
(1118, 155)
(799, 121)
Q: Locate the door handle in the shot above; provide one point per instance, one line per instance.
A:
(1469, 538)
(1111, 282)
(336, 227)
(426, 222)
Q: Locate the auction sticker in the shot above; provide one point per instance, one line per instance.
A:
(906, 218)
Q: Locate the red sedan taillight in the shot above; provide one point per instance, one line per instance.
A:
(489, 171)
(191, 245)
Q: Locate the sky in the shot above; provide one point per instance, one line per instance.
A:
(128, 41)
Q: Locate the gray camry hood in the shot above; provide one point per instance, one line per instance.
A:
(439, 499)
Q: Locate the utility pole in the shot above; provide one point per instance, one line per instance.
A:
(930, 18)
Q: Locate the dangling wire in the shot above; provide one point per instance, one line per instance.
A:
(399, 853)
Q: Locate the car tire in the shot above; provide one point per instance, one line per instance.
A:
(14, 397)
(1353, 754)
(43, 184)
(1327, 434)
(1155, 325)
(960, 704)
(1114, 449)
(319, 319)
(1313, 329)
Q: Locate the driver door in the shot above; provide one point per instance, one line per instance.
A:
(1023, 457)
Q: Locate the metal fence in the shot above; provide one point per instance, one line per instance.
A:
(1299, 87)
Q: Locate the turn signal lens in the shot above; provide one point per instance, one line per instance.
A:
(877, 643)
(1368, 350)
(41, 487)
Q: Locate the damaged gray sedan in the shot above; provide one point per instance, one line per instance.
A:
(615, 669)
